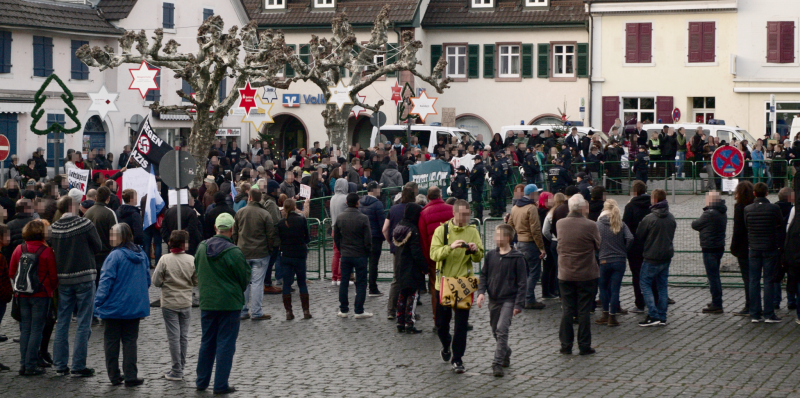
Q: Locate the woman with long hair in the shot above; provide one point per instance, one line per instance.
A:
(616, 240)
(241, 197)
(208, 196)
(549, 268)
(739, 242)
(547, 228)
(497, 143)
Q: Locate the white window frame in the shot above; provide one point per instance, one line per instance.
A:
(638, 111)
(536, 3)
(482, 3)
(501, 57)
(279, 5)
(456, 57)
(324, 3)
(563, 61)
(766, 112)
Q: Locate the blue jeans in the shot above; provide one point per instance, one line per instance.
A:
(658, 273)
(531, 253)
(291, 267)
(71, 298)
(610, 282)
(766, 261)
(348, 264)
(218, 342)
(254, 294)
(679, 164)
(33, 311)
(274, 261)
(151, 237)
(712, 262)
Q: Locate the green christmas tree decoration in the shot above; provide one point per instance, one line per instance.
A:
(70, 110)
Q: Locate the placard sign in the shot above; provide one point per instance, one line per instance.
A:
(78, 178)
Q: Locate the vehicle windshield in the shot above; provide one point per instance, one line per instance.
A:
(747, 136)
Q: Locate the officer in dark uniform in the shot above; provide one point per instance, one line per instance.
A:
(558, 177)
(460, 186)
(476, 181)
(640, 165)
(499, 173)
(531, 167)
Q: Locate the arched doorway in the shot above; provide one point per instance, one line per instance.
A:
(362, 130)
(547, 118)
(94, 134)
(290, 131)
(475, 124)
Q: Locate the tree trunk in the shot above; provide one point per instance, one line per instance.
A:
(204, 128)
(336, 126)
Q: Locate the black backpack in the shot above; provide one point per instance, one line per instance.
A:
(26, 279)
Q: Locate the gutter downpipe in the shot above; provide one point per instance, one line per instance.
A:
(591, 59)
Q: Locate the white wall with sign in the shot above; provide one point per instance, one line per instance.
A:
(475, 126)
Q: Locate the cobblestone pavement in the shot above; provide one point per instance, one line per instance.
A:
(695, 355)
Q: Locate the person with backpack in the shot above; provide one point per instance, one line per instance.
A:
(33, 274)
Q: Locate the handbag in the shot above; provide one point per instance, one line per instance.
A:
(456, 292)
(16, 314)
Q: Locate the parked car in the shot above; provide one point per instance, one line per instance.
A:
(427, 135)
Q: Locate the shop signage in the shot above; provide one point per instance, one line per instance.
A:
(291, 100)
(229, 132)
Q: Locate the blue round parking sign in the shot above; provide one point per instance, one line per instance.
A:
(727, 161)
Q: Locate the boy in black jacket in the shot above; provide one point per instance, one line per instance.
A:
(504, 276)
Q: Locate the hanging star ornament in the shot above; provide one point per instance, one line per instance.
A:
(269, 94)
(396, 96)
(259, 115)
(423, 106)
(144, 79)
(103, 102)
(340, 95)
(247, 98)
(357, 110)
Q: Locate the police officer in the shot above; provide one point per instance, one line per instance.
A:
(476, 180)
(641, 163)
(460, 186)
(499, 173)
(558, 177)
(531, 167)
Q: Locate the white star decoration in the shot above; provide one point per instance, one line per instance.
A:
(103, 102)
(269, 94)
(423, 106)
(144, 79)
(260, 114)
(340, 95)
(357, 110)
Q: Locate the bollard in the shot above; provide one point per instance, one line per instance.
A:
(673, 188)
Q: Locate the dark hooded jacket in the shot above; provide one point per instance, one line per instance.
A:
(372, 207)
(712, 225)
(130, 215)
(409, 263)
(765, 226)
(595, 208)
(391, 177)
(656, 232)
(504, 277)
(635, 211)
(211, 217)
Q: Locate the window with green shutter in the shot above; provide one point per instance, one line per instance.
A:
(305, 53)
(527, 60)
(436, 53)
(543, 60)
(488, 61)
(391, 54)
(289, 71)
(473, 61)
(582, 58)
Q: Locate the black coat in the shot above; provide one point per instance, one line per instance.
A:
(409, 262)
(132, 216)
(293, 232)
(15, 231)
(635, 211)
(595, 208)
(765, 226)
(211, 216)
(739, 242)
(189, 223)
(712, 225)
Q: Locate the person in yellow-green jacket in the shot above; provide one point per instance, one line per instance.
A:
(454, 260)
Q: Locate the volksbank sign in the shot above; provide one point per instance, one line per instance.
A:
(293, 100)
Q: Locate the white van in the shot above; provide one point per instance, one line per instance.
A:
(427, 135)
(527, 128)
(725, 133)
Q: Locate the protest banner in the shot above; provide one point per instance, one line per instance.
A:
(435, 172)
(78, 178)
(136, 179)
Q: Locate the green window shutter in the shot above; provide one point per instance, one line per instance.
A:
(527, 60)
(543, 61)
(305, 53)
(473, 61)
(289, 71)
(436, 53)
(391, 54)
(582, 60)
(488, 61)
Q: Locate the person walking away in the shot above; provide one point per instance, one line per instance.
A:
(641, 164)
(75, 242)
(352, 235)
(549, 267)
(786, 199)
(337, 206)
(455, 246)
(615, 242)
(223, 274)
(635, 211)
(577, 274)
(499, 173)
(34, 278)
(372, 207)
(190, 222)
(656, 231)
(524, 219)
(739, 241)
(765, 234)
(176, 276)
(504, 278)
(292, 231)
(434, 214)
(220, 206)
(121, 302)
(103, 219)
(254, 233)
(393, 218)
(477, 180)
(129, 214)
(410, 268)
(712, 225)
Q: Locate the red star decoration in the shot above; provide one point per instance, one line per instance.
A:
(247, 100)
(396, 97)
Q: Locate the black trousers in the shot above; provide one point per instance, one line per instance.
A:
(477, 201)
(127, 332)
(458, 340)
(635, 263)
(374, 256)
(498, 200)
(576, 300)
(744, 267)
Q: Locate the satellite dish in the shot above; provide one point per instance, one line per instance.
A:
(136, 120)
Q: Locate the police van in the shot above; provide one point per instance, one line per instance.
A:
(427, 135)
(723, 132)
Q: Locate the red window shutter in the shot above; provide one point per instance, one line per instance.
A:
(645, 42)
(631, 43)
(773, 42)
(610, 112)
(787, 42)
(664, 109)
(709, 41)
(695, 36)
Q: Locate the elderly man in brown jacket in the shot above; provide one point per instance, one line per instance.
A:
(524, 218)
(577, 274)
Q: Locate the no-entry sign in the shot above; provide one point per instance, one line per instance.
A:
(727, 161)
(5, 147)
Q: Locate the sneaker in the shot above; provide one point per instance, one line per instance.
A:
(459, 368)
(622, 311)
(650, 322)
(342, 314)
(535, 306)
(663, 322)
(773, 319)
(566, 351)
(62, 372)
(756, 320)
(797, 321)
(352, 283)
(637, 310)
(333, 283)
(412, 330)
(712, 310)
(156, 303)
(338, 283)
(363, 315)
(446, 355)
(85, 372)
(169, 376)
(263, 317)
(272, 290)
(244, 316)
(497, 371)
(548, 297)
(375, 293)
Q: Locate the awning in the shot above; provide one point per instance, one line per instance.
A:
(174, 116)
(16, 107)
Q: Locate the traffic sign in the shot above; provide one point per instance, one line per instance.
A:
(378, 119)
(727, 161)
(676, 115)
(5, 147)
(180, 175)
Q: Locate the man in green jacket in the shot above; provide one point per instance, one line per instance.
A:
(222, 275)
(454, 260)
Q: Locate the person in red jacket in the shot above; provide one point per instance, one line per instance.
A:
(34, 307)
(435, 213)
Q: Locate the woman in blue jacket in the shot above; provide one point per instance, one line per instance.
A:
(121, 301)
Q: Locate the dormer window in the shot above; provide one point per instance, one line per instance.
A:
(482, 3)
(324, 3)
(536, 3)
(274, 4)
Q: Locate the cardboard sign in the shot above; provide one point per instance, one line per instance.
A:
(305, 191)
(78, 178)
(449, 117)
(729, 184)
(136, 179)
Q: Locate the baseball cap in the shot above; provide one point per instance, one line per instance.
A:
(531, 188)
(224, 222)
(581, 175)
(462, 168)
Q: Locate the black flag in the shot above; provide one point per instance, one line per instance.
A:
(148, 148)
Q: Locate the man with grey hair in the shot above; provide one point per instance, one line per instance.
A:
(577, 274)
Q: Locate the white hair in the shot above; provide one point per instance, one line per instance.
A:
(576, 203)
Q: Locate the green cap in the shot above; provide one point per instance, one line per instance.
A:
(255, 186)
(224, 222)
